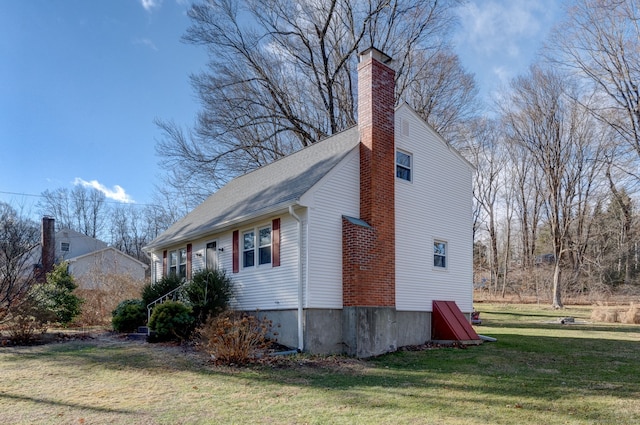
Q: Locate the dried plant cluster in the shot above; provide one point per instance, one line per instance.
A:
(235, 338)
(631, 315)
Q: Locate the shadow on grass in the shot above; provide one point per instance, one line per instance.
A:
(537, 371)
(591, 327)
(16, 397)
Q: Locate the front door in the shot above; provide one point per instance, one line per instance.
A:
(212, 255)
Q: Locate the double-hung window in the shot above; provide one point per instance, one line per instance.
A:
(256, 251)
(264, 245)
(173, 263)
(440, 254)
(248, 249)
(178, 262)
(403, 165)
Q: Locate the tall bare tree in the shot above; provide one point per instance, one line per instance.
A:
(543, 116)
(486, 153)
(81, 209)
(600, 43)
(282, 75)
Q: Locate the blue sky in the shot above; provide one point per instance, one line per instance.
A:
(81, 83)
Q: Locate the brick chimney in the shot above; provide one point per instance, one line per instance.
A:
(48, 244)
(369, 243)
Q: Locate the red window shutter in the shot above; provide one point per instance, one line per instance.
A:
(236, 251)
(275, 242)
(164, 262)
(189, 253)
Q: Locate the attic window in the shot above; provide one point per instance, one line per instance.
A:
(403, 165)
(64, 246)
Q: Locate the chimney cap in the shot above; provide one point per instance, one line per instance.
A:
(376, 54)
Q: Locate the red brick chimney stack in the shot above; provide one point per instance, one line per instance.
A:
(369, 252)
(48, 244)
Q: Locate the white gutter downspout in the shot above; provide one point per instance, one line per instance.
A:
(300, 288)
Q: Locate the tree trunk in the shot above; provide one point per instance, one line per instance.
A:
(557, 289)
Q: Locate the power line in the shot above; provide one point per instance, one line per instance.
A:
(106, 202)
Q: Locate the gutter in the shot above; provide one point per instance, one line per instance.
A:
(300, 288)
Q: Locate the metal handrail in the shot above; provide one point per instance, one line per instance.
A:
(160, 300)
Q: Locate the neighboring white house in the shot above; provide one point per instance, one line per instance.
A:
(344, 244)
(89, 259)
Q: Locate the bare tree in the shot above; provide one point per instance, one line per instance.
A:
(485, 152)
(542, 116)
(600, 43)
(19, 240)
(281, 75)
(81, 209)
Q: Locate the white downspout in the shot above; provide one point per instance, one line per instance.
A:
(300, 283)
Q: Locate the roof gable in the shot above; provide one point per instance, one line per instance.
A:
(266, 189)
(103, 250)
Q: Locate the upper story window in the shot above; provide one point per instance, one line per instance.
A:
(64, 246)
(439, 254)
(403, 165)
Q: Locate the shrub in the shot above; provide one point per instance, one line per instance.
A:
(102, 292)
(153, 291)
(171, 320)
(56, 296)
(208, 293)
(28, 323)
(128, 315)
(235, 338)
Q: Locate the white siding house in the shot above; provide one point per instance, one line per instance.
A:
(360, 231)
(89, 259)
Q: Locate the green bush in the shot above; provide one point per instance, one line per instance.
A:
(55, 297)
(170, 321)
(208, 293)
(153, 291)
(128, 315)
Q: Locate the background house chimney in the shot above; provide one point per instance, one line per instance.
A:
(369, 251)
(48, 243)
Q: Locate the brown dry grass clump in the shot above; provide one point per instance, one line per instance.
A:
(616, 315)
(631, 316)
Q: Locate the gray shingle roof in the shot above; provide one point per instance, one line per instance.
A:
(261, 191)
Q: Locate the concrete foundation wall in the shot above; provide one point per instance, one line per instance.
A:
(354, 331)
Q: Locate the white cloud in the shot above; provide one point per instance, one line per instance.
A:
(146, 42)
(117, 193)
(150, 4)
(499, 27)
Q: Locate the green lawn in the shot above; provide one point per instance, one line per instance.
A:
(536, 373)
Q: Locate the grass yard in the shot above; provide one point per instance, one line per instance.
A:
(536, 373)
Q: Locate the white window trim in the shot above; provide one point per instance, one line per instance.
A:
(410, 167)
(178, 263)
(216, 254)
(446, 255)
(257, 246)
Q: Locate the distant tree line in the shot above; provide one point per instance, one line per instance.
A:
(127, 227)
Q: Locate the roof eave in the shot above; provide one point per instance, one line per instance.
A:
(222, 226)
